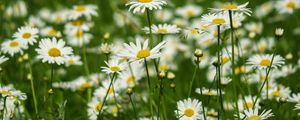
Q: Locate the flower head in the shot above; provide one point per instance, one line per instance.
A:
(189, 109)
(142, 5)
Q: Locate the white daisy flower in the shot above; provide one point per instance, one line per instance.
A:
(139, 50)
(83, 10)
(216, 19)
(264, 61)
(252, 114)
(13, 47)
(279, 91)
(189, 11)
(234, 8)
(78, 38)
(113, 66)
(248, 103)
(142, 5)
(163, 15)
(73, 60)
(254, 28)
(208, 92)
(50, 32)
(27, 35)
(162, 29)
(53, 51)
(189, 109)
(287, 6)
(3, 59)
(94, 106)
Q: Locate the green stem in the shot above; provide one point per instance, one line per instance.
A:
(159, 97)
(233, 64)
(33, 90)
(203, 109)
(149, 25)
(105, 97)
(219, 70)
(150, 90)
(192, 81)
(133, 107)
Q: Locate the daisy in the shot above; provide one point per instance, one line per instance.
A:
(252, 114)
(287, 6)
(233, 7)
(139, 50)
(265, 61)
(12, 47)
(3, 59)
(189, 11)
(94, 106)
(142, 5)
(53, 51)
(189, 109)
(50, 32)
(163, 29)
(73, 60)
(113, 66)
(83, 10)
(27, 35)
(208, 92)
(279, 91)
(248, 103)
(163, 15)
(216, 19)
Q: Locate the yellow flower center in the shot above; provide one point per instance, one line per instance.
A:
(248, 105)
(115, 68)
(210, 93)
(54, 52)
(79, 34)
(190, 13)
(145, 1)
(58, 19)
(230, 6)
(110, 90)
(77, 23)
(114, 110)
(71, 61)
(240, 70)
(162, 30)
(4, 92)
(26, 35)
(14, 44)
(189, 112)
(80, 8)
(276, 93)
(85, 86)
(164, 67)
(143, 53)
(130, 80)
(98, 107)
(225, 60)
(254, 117)
(265, 62)
(218, 21)
(291, 5)
(212, 114)
(195, 31)
(52, 32)
(264, 77)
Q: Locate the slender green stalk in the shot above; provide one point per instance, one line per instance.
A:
(4, 107)
(133, 107)
(233, 63)
(51, 77)
(150, 89)
(203, 109)
(159, 97)
(149, 25)
(219, 71)
(266, 78)
(192, 81)
(86, 69)
(105, 97)
(33, 90)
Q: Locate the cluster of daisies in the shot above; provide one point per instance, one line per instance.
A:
(151, 58)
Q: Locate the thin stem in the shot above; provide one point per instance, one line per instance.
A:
(233, 64)
(203, 109)
(51, 77)
(105, 97)
(4, 107)
(33, 90)
(192, 81)
(219, 71)
(86, 69)
(149, 25)
(266, 78)
(150, 90)
(133, 107)
(159, 97)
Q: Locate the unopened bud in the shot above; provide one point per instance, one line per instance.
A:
(162, 74)
(171, 76)
(50, 91)
(198, 53)
(172, 85)
(129, 91)
(279, 32)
